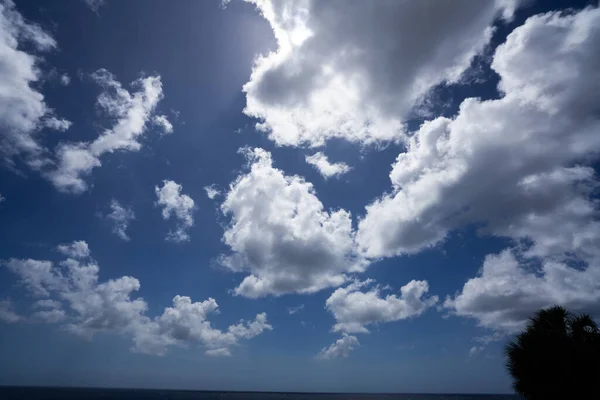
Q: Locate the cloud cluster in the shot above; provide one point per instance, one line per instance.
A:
(131, 113)
(325, 168)
(281, 235)
(350, 70)
(120, 217)
(177, 205)
(516, 167)
(70, 293)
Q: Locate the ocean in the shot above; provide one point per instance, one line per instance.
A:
(35, 393)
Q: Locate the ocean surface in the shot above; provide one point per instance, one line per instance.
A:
(30, 393)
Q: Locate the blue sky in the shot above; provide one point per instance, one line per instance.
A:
(394, 188)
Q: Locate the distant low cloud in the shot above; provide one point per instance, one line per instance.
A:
(57, 124)
(177, 205)
(212, 192)
(325, 168)
(341, 348)
(71, 294)
(120, 217)
(163, 122)
(94, 5)
(65, 79)
(294, 310)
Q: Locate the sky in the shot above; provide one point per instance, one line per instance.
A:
(332, 196)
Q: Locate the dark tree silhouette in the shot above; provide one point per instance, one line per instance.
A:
(557, 356)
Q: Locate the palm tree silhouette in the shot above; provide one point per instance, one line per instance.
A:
(557, 356)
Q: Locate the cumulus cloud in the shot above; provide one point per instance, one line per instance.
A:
(76, 249)
(120, 217)
(340, 348)
(281, 234)
(22, 106)
(163, 122)
(354, 309)
(212, 192)
(177, 205)
(325, 168)
(57, 124)
(65, 79)
(517, 167)
(131, 113)
(7, 312)
(350, 70)
(71, 294)
(514, 166)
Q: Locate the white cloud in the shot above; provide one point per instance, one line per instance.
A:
(73, 296)
(294, 310)
(76, 249)
(353, 309)
(340, 348)
(94, 5)
(57, 124)
(21, 105)
(212, 192)
(65, 80)
(350, 70)
(131, 113)
(506, 293)
(325, 168)
(7, 312)
(513, 166)
(120, 217)
(180, 206)
(281, 235)
(2, 198)
(475, 350)
(163, 122)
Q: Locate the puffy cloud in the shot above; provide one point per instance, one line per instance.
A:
(163, 122)
(294, 310)
(22, 106)
(7, 312)
(353, 309)
(76, 249)
(57, 124)
(281, 235)
(514, 166)
(131, 113)
(351, 70)
(325, 168)
(65, 79)
(180, 206)
(73, 296)
(212, 192)
(120, 217)
(340, 348)
(506, 293)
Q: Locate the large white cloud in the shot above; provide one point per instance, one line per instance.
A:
(515, 165)
(355, 69)
(518, 167)
(177, 205)
(131, 113)
(22, 106)
(281, 235)
(354, 309)
(70, 293)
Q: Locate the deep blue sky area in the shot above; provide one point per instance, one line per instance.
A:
(204, 54)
